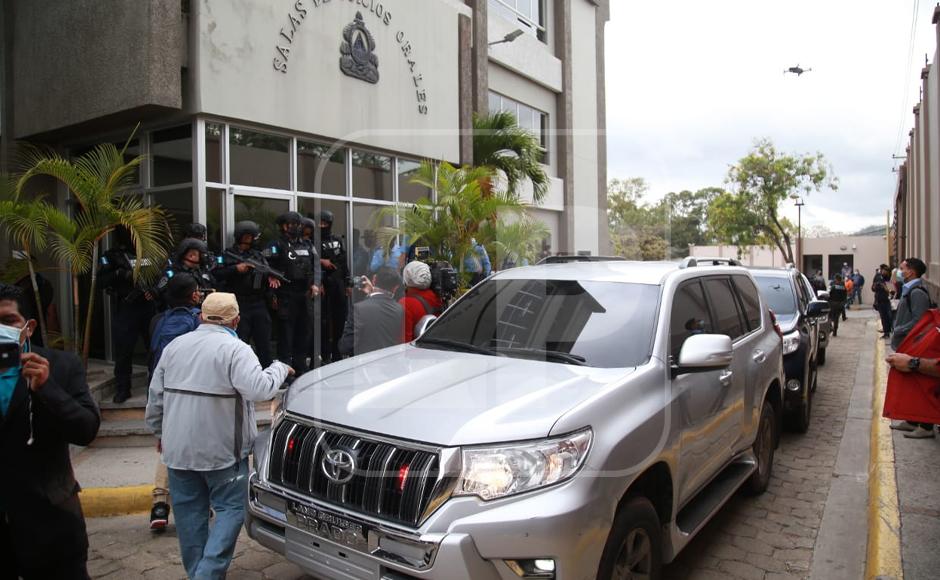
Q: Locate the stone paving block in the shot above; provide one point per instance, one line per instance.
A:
(742, 570)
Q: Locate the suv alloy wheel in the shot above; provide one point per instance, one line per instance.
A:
(635, 546)
(764, 446)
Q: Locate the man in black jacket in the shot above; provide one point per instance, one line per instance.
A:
(379, 320)
(44, 406)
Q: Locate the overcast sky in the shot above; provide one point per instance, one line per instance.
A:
(691, 84)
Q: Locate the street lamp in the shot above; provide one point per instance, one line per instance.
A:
(798, 202)
(509, 37)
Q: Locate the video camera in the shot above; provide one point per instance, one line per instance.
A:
(444, 280)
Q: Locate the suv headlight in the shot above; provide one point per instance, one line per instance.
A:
(495, 472)
(791, 342)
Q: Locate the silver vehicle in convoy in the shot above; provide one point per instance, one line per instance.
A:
(574, 420)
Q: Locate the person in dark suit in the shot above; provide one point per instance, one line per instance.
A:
(379, 320)
(45, 405)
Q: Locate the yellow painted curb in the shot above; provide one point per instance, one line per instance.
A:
(99, 502)
(884, 518)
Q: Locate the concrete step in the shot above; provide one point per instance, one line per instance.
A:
(131, 431)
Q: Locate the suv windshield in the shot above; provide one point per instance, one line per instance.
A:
(598, 324)
(778, 293)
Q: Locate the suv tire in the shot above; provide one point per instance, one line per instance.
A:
(821, 357)
(764, 446)
(635, 544)
(801, 415)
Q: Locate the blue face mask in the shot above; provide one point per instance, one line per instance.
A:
(9, 377)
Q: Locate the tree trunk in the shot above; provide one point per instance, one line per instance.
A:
(41, 314)
(86, 344)
(76, 332)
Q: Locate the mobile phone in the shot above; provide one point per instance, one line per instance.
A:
(9, 355)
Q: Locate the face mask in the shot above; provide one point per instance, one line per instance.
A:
(10, 333)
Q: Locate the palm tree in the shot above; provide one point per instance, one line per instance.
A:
(25, 224)
(98, 181)
(506, 148)
(516, 242)
(460, 215)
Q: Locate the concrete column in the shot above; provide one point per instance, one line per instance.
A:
(564, 113)
(603, 231)
(467, 96)
(480, 60)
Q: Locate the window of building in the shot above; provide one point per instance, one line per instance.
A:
(367, 248)
(311, 207)
(215, 217)
(408, 191)
(178, 204)
(172, 153)
(214, 152)
(528, 14)
(372, 175)
(263, 211)
(321, 168)
(259, 159)
(530, 119)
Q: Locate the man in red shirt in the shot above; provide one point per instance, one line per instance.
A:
(419, 299)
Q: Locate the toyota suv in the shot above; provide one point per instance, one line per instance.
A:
(800, 317)
(558, 421)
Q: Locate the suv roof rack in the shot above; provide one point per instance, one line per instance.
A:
(565, 259)
(692, 261)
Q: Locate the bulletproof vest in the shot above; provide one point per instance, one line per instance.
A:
(297, 259)
(331, 248)
(123, 265)
(203, 277)
(251, 283)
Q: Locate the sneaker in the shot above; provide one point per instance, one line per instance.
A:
(159, 516)
(920, 433)
(903, 426)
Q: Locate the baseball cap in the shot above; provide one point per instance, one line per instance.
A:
(220, 308)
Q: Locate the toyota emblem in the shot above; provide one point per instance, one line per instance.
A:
(339, 466)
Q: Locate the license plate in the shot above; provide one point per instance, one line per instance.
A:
(329, 525)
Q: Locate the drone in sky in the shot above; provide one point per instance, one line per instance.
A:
(797, 70)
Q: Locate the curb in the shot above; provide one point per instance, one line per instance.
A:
(884, 518)
(100, 502)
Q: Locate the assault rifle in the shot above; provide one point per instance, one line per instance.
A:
(259, 267)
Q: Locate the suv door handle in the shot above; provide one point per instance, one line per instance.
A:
(759, 356)
(725, 378)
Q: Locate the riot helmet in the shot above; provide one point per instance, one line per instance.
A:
(245, 228)
(326, 222)
(196, 231)
(308, 224)
(189, 245)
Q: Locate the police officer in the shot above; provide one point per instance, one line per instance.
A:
(133, 307)
(337, 287)
(191, 257)
(250, 287)
(297, 259)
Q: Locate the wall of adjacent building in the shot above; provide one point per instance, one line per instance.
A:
(917, 196)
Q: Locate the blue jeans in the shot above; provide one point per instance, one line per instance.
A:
(207, 552)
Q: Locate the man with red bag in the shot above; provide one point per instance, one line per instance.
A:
(913, 393)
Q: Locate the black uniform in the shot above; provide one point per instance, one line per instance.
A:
(297, 259)
(335, 305)
(202, 273)
(131, 314)
(252, 291)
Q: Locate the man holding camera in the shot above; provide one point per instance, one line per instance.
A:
(377, 322)
(45, 405)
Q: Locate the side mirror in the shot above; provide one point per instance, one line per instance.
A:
(817, 309)
(422, 326)
(822, 294)
(705, 352)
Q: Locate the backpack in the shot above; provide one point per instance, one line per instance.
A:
(930, 302)
(172, 323)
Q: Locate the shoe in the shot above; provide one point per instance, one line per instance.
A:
(920, 433)
(121, 396)
(159, 516)
(903, 426)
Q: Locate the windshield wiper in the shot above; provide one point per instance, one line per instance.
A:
(458, 345)
(554, 355)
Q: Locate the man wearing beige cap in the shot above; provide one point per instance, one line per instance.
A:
(201, 408)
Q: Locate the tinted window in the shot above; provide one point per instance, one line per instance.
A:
(689, 316)
(172, 153)
(750, 298)
(259, 159)
(728, 318)
(778, 293)
(609, 324)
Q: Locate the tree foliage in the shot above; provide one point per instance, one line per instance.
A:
(761, 181)
(501, 145)
(660, 230)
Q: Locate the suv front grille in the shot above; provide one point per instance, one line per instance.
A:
(391, 481)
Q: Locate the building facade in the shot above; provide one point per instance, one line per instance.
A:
(917, 196)
(248, 109)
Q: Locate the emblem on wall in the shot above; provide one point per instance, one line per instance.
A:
(358, 58)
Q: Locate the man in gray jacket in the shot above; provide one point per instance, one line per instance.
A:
(201, 407)
(915, 300)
